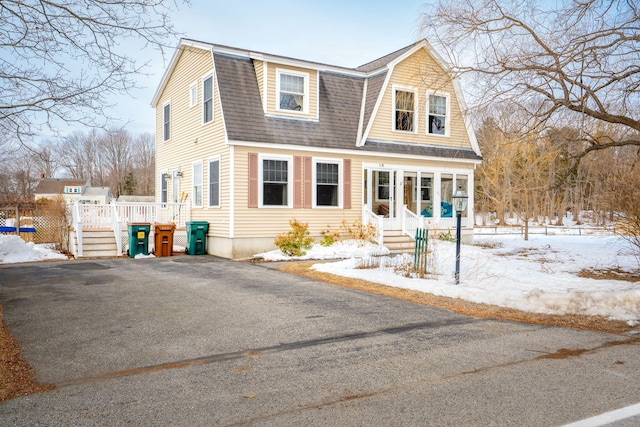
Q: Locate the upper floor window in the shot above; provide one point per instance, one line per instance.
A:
(327, 183)
(437, 121)
(166, 121)
(197, 184)
(405, 108)
(275, 182)
(207, 99)
(193, 94)
(214, 183)
(292, 91)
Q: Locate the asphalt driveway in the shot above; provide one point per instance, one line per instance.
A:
(199, 340)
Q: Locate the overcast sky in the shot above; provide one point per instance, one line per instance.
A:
(347, 33)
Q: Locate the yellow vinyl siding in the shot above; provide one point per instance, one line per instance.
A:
(259, 67)
(191, 140)
(272, 93)
(422, 73)
(269, 222)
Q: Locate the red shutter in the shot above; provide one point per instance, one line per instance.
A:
(308, 182)
(253, 180)
(346, 187)
(297, 182)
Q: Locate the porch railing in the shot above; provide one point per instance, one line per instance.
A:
(369, 217)
(411, 222)
(116, 215)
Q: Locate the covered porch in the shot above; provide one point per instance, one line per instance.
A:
(399, 198)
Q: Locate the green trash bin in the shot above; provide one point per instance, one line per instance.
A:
(138, 238)
(197, 237)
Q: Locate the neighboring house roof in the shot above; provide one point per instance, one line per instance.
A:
(97, 192)
(348, 99)
(136, 199)
(57, 185)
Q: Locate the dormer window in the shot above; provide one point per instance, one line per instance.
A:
(437, 121)
(293, 91)
(405, 110)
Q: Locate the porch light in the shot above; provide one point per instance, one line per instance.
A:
(460, 200)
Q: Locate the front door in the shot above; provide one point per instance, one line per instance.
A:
(384, 197)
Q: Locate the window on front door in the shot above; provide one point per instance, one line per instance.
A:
(382, 185)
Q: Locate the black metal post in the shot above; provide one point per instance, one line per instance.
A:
(458, 225)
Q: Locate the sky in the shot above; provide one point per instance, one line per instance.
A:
(539, 275)
(344, 33)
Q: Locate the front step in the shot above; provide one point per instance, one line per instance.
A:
(397, 242)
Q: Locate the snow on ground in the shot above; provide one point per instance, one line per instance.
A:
(14, 249)
(538, 275)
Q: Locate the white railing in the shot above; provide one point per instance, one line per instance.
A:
(368, 217)
(117, 227)
(119, 214)
(96, 216)
(411, 222)
(77, 225)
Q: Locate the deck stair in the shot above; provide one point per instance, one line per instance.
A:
(398, 242)
(98, 243)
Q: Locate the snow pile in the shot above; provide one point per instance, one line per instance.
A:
(13, 249)
(539, 275)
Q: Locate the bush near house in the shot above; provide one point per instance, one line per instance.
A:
(296, 241)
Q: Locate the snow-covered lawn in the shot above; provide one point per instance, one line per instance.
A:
(539, 275)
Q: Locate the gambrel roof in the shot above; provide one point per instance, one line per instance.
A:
(348, 99)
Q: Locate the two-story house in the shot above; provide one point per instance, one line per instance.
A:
(254, 140)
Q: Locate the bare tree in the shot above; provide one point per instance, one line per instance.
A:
(578, 63)
(117, 149)
(144, 155)
(59, 60)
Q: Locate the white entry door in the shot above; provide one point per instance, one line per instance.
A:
(384, 200)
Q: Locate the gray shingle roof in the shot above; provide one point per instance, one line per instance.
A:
(56, 185)
(340, 104)
(381, 62)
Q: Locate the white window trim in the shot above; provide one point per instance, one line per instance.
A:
(209, 160)
(175, 186)
(447, 119)
(305, 107)
(164, 136)
(375, 184)
(193, 183)
(193, 100)
(166, 183)
(290, 178)
(213, 97)
(338, 162)
(416, 112)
